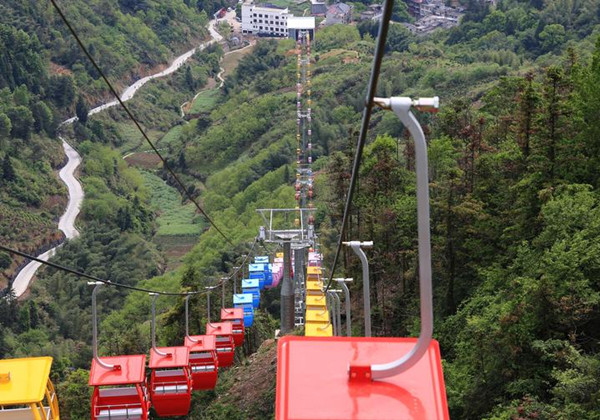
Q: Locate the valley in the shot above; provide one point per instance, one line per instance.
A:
(513, 185)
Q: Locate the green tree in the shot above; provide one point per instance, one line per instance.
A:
(62, 90)
(43, 118)
(5, 260)
(5, 125)
(588, 90)
(81, 110)
(400, 12)
(21, 120)
(8, 172)
(552, 37)
(189, 78)
(21, 96)
(75, 395)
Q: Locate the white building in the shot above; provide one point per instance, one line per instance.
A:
(264, 19)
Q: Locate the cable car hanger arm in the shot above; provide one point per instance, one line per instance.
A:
(402, 108)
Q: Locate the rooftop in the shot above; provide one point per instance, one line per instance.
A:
(178, 357)
(204, 342)
(228, 314)
(339, 8)
(301, 22)
(27, 381)
(242, 298)
(312, 380)
(132, 371)
(270, 6)
(219, 328)
(249, 283)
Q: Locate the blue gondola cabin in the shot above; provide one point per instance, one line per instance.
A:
(257, 271)
(244, 301)
(252, 286)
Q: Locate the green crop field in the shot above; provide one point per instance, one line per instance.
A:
(205, 101)
(172, 135)
(174, 219)
(132, 138)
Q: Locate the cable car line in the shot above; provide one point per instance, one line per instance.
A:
(137, 124)
(364, 128)
(120, 285)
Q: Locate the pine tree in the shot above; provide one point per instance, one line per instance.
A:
(81, 109)
(8, 172)
(189, 78)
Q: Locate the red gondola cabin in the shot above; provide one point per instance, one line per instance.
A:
(120, 392)
(313, 381)
(236, 316)
(170, 382)
(223, 331)
(203, 358)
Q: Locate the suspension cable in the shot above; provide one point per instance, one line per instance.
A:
(111, 283)
(183, 189)
(364, 128)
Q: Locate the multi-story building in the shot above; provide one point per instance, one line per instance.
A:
(264, 19)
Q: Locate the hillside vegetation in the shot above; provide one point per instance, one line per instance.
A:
(44, 77)
(514, 197)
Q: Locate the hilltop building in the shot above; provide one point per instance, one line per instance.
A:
(264, 19)
(318, 7)
(338, 13)
(416, 8)
(373, 12)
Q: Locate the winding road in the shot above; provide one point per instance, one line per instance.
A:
(67, 174)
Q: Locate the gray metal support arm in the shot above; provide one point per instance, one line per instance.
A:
(224, 280)
(338, 312)
(153, 296)
(95, 329)
(401, 107)
(208, 305)
(356, 247)
(342, 282)
(331, 305)
(187, 320)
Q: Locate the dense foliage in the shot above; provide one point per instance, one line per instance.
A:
(514, 181)
(44, 77)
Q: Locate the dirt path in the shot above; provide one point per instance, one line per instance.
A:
(229, 61)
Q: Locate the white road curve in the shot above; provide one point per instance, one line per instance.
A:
(67, 174)
(66, 223)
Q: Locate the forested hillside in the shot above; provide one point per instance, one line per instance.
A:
(514, 158)
(44, 78)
